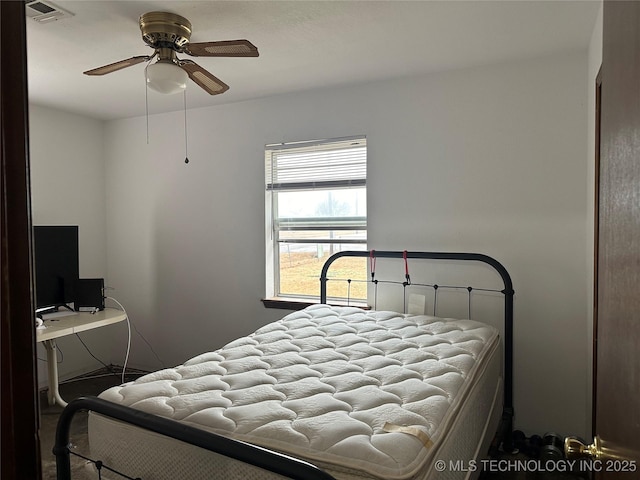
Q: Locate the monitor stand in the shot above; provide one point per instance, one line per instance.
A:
(52, 309)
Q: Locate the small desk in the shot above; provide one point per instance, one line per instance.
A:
(68, 325)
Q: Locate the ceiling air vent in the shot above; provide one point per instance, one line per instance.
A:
(41, 11)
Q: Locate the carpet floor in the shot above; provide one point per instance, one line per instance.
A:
(89, 385)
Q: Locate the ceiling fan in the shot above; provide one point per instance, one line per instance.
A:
(168, 34)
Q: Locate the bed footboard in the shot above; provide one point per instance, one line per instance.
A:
(259, 457)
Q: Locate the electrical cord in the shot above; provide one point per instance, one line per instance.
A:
(138, 332)
(91, 353)
(126, 358)
(150, 347)
(129, 325)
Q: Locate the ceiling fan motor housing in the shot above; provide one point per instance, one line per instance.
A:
(165, 30)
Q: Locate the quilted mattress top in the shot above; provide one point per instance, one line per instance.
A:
(334, 385)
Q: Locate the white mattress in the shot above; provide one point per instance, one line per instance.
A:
(334, 386)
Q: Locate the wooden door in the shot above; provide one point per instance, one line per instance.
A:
(617, 406)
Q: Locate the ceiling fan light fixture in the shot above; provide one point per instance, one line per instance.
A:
(166, 78)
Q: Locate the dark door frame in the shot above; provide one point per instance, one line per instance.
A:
(19, 412)
(596, 243)
(617, 420)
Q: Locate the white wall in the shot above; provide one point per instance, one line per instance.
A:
(491, 160)
(67, 188)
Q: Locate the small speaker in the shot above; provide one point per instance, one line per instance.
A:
(89, 294)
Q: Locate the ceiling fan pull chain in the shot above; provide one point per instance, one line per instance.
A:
(186, 156)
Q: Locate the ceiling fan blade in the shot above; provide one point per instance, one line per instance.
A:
(208, 82)
(112, 67)
(227, 48)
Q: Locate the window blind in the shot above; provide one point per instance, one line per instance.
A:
(317, 164)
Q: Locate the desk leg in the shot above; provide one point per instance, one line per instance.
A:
(53, 395)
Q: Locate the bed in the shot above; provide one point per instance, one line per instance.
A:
(326, 392)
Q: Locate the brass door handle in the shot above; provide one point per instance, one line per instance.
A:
(575, 448)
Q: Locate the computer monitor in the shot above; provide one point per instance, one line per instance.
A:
(56, 261)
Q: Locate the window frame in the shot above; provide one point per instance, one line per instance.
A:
(353, 177)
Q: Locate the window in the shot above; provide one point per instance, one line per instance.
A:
(316, 205)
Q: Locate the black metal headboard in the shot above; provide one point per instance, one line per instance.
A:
(508, 292)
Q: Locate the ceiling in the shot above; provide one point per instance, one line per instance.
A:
(303, 45)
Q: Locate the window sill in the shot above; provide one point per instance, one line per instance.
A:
(298, 304)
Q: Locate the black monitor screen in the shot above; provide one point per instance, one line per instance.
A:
(56, 264)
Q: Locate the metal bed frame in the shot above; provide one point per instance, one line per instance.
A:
(505, 430)
(260, 457)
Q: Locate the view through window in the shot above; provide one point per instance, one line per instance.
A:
(316, 206)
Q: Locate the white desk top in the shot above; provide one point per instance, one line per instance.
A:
(79, 322)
